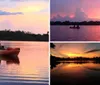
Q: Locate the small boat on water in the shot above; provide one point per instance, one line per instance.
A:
(75, 27)
(10, 52)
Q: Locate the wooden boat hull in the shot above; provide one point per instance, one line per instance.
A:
(10, 52)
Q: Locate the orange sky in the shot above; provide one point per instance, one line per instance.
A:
(34, 17)
(75, 50)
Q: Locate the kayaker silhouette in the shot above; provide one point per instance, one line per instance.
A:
(1, 47)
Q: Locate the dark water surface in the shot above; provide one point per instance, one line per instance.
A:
(65, 33)
(31, 66)
(73, 73)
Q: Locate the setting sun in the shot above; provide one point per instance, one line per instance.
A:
(73, 55)
(76, 50)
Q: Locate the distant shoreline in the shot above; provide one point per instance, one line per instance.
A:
(74, 23)
(7, 35)
(54, 58)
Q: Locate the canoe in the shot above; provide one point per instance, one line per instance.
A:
(75, 27)
(10, 52)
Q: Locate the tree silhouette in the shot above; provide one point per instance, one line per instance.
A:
(22, 36)
(75, 23)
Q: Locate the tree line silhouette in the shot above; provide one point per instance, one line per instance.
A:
(75, 23)
(22, 36)
(54, 61)
(54, 58)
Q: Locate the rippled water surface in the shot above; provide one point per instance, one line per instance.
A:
(31, 66)
(85, 33)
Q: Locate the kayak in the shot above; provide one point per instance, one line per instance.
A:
(75, 27)
(10, 52)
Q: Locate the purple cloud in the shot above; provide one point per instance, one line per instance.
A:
(9, 13)
(79, 16)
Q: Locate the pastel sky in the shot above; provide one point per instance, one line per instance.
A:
(76, 50)
(26, 15)
(75, 10)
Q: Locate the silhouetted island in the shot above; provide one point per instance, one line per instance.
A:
(75, 23)
(54, 58)
(54, 61)
(22, 36)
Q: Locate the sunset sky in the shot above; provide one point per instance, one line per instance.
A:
(75, 10)
(27, 15)
(76, 50)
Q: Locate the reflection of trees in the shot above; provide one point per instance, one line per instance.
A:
(92, 68)
(22, 36)
(54, 61)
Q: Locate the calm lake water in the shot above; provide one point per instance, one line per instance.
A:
(72, 73)
(85, 33)
(31, 66)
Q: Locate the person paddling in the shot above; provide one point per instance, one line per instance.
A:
(1, 47)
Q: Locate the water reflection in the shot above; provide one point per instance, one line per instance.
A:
(54, 65)
(85, 33)
(75, 73)
(30, 67)
(10, 59)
